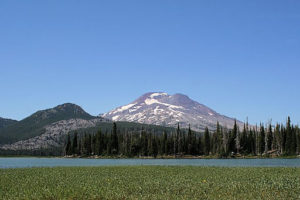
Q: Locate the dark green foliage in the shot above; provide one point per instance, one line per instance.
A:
(114, 140)
(6, 122)
(236, 137)
(206, 142)
(289, 138)
(68, 148)
(234, 142)
(75, 144)
(298, 140)
(269, 141)
(164, 144)
(262, 139)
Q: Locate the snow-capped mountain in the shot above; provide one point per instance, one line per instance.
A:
(168, 110)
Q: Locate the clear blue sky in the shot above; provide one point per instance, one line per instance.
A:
(241, 58)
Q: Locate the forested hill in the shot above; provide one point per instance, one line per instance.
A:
(6, 122)
(34, 125)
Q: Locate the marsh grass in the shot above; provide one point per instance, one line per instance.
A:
(150, 182)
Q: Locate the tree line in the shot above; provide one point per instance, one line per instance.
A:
(259, 140)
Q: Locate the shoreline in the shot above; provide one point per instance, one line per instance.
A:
(158, 157)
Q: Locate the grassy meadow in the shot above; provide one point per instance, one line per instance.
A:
(150, 182)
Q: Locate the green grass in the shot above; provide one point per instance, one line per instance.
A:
(150, 182)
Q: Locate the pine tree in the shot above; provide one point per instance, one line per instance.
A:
(251, 139)
(150, 145)
(200, 146)
(164, 143)
(237, 137)
(180, 140)
(206, 142)
(114, 143)
(269, 138)
(189, 141)
(289, 138)
(99, 143)
(93, 144)
(294, 140)
(68, 148)
(80, 147)
(220, 149)
(89, 144)
(298, 140)
(144, 143)
(154, 147)
(262, 139)
(75, 144)
(244, 141)
(225, 140)
(233, 141)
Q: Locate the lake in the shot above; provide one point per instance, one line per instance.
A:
(55, 162)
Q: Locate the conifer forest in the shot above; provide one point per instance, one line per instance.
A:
(278, 140)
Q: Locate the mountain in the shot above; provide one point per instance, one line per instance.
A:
(55, 134)
(47, 129)
(35, 124)
(160, 108)
(6, 122)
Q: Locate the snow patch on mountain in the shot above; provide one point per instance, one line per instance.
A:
(154, 101)
(160, 108)
(157, 94)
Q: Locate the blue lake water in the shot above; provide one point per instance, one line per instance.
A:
(55, 162)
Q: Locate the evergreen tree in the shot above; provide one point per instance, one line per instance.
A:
(114, 143)
(225, 140)
(251, 139)
(262, 139)
(89, 144)
(75, 144)
(99, 143)
(200, 146)
(144, 143)
(298, 140)
(219, 149)
(206, 142)
(289, 138)
(68, 148)
(244, 141)
(180, 140)
(164, 143)
(236, 133)
(154, 147)
(189, 141)
(269, 138)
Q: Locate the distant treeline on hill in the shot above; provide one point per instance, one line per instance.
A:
(279, 140)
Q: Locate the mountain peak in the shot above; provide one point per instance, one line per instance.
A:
(151, 95)
(160, 108)
(67, 109)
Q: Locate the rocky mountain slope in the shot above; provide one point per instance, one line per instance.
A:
(35, 124)
(53, 136)
(168, 110)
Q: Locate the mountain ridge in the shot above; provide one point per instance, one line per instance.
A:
(4, 122)
(34, 124)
